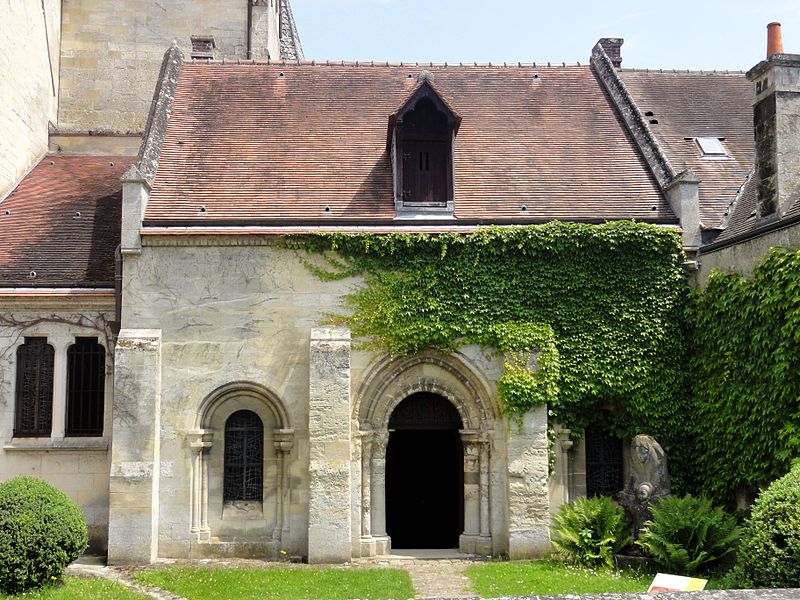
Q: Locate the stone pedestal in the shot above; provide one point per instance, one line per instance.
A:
(329, 516)
(135, 450)
(528, 502)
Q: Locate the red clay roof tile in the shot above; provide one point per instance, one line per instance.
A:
(697, 104)
(257, 143)
(63, 223)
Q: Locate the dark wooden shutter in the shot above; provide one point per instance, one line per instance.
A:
(603, 462)
(34, 394)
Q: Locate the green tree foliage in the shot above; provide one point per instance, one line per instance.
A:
(41, 532)
(770, 552)
(590, 531)
(687, 535)
(746, 375)
(600, 310)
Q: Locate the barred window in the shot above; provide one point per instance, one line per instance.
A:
(244, 457)
(34, 394)
(86, 366)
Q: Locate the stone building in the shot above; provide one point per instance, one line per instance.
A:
(162, 357)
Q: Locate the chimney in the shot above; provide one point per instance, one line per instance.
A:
(774, 39)
(776, 112)
(613, 47)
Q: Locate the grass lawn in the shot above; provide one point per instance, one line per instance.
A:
(281, 584)
(83, 589)
(550, 577)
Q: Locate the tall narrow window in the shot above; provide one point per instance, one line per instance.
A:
(603, 462)
(34, 396)
(86, 366)
(244, 457)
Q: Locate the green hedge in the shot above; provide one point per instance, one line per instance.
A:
(41, 532)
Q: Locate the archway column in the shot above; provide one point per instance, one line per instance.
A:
(200, 442)
(477, 538)
(283, 443)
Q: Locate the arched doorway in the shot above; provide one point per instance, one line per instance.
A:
(425, 473)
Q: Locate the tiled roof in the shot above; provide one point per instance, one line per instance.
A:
(63, 223)
(260, 143)
(697, 104)
(742, 214)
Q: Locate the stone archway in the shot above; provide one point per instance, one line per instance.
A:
(223, 401)
(388, 383)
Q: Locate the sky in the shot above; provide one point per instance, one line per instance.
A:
(677, 34)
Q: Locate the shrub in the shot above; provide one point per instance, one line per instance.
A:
(590, 531)
(688, 534)
(41, 532)
(770, 552)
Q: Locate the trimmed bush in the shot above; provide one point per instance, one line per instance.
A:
(689, 534)
(770, 552)
(41, 532)
(590, 531)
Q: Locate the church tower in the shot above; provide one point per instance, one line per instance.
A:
(85, 70)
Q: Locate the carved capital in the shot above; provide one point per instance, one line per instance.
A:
(283, 440)
(200, 440)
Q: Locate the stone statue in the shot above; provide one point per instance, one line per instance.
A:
(648, 481)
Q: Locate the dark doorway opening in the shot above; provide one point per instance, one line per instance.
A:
(425, 474)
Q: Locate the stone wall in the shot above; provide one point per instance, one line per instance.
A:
(29, 42)
(744, 257)
(77, 466)
(237, 317)
(111, 54)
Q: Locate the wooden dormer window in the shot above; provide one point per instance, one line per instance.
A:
(421, 136)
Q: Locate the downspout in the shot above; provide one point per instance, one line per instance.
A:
(117, 324)
(249, 29)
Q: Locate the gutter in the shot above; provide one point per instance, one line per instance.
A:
(752, 234)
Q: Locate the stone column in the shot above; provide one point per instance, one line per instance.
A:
(378, 492)
(200, 442)
(366, 458)
(528, 503)
(135, 449)
(468, 540)
(329, 517)
(485, 545)
(283, 443)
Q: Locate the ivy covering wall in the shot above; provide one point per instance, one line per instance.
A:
(601, 309)
(746, 375)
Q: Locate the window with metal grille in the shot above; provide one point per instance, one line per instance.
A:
(244, 457)
(86, 368)
(34, 394)
(603, 462)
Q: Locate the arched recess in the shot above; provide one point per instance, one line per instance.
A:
(387, 383)
(209, 420)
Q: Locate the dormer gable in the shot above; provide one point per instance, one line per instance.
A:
(421, 140)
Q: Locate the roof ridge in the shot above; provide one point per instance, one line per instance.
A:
(684, 71)
(374, 63)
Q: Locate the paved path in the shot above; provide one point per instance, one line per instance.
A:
(95, 570)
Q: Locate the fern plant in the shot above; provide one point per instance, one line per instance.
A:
(590, 531)
(688, 534)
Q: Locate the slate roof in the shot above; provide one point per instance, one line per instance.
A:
(698, 104)
(264, 143)
(63, 223)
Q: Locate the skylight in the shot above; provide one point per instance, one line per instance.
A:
(711, 146)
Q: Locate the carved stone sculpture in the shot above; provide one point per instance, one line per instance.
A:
(648, 481)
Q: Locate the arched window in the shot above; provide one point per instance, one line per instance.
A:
(244, 457)
(34, 395)
(86, 366)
